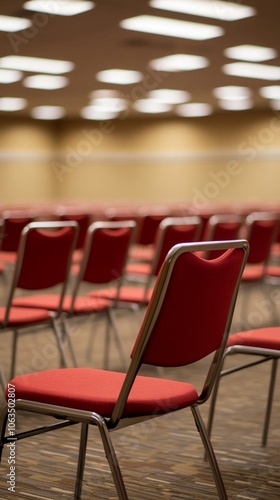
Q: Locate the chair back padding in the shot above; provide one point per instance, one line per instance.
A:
(11, 232)
(45, 258)
(83, 221)
(261, 233)
(147, 228)
(106, 251)
(173, 231)
(193, 316)
(220, 228)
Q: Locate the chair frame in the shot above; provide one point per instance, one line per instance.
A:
(72, 416)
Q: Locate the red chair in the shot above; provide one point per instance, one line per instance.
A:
(83, 220)
(104, 258)
(263, 344)
(171, 231)
(147, 226)
(188, 318)
(43, 261)
(11, 229)
(222, 227)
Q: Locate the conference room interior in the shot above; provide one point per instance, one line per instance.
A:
(180, 161)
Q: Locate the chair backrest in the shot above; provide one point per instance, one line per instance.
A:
(83, 220)
(44, 257)
(147, 227)
(171, 231)
(222, 227)
(190, 312)
(260, 230)
(105, 253)
(12, 227)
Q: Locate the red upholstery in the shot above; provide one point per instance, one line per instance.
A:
(209, 283)
(20, 317)
(260, 239)
(51, 303)
(98, 390)
(12, 229)
(144, 253)
(253, 273)
(264, 338)
(127, 294)
(140, 268)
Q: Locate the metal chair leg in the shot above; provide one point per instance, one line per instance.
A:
(81, 461)
(3, 423)
(14, 353)
(210, 453)
(269, 400)
(58, 338)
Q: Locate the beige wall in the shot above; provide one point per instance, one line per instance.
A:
(229, 157)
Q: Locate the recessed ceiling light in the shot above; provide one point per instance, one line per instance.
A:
(232, 92)
(235, 105)
(48, 112)
(215, 9)
(194, 109)
(12, 103)
(119, 76)
(251, 70)
(275, 105)
(96, 94)
(94, 113)
(169, 96)
(59, 7)
(12, 24)
(108, 104)
(10, 76)
(172, 27)
(151, 106)
(270, 92)
(253, 53)
(45, 82)
(179, 62)
(36, 64)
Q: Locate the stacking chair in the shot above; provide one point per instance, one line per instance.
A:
(144, 248)
(104, 258)
(187, 319)
(262, 344)
(222, 227)
(11, 229)
(43, 261)
(171, 231)
(83, 220)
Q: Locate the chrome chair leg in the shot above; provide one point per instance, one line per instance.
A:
(14, 353)
(269, 400)
(81, 461)
(210, 453)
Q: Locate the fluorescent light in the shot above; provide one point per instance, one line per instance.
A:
(270, 92)
(95, 113)
(119, 76)
(169, 96)
(232, 92)
(194, 109)
(45, 82)
(59, 7)
(253, 53)
(10, 76)
(236, 105)
(12, 103)
(179, 62)
(108, 104)
(251, 70)
(36, 64)
(172, 27)
(12, 24)
(48, 112)
(151, 106)
(106, 93)
(215, 9)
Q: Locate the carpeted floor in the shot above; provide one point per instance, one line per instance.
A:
(160, 459)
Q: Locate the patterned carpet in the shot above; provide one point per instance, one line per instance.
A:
(160, 459)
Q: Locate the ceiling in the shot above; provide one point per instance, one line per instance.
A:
(93, 41)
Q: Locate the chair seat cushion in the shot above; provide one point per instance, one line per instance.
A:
(8, 257)
(51, 302)
(21, 316)
(133, 294)
(273, 271)
(142, 253)
(253, 273)
(265, 338)
(141, 268)
(97, 391)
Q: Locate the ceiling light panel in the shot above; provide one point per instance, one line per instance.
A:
(251, 70)
(232, 92)
(45, 82)
(13, 24)
(109, 104)
(36, 64)
(194, 109)
(151, 106)
(214, 9)
(48, 112)
(252, 53)
(59, 7)
(119, 76)
(12, 103)
(169, 96)
(95, 113)
(236, 105)
(270, 92)
(179, 62)
(10, 76)
(172, 27)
